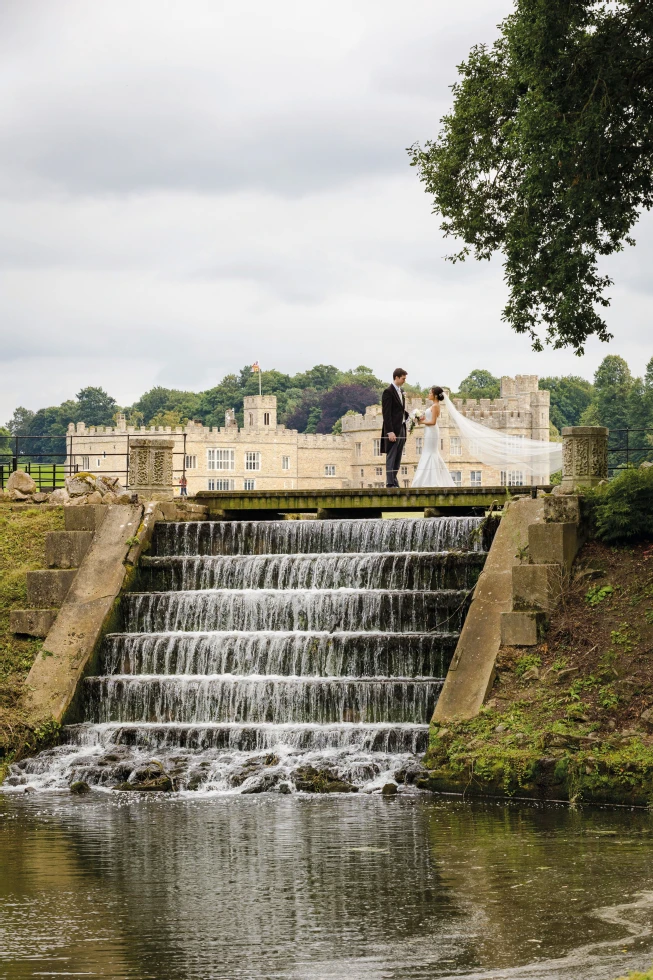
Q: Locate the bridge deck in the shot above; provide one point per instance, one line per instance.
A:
(355, 503)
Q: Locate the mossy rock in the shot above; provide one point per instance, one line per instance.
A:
(311, 780)
(79, 788)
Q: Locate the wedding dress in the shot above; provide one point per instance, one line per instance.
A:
(431, 471)
(534, 459)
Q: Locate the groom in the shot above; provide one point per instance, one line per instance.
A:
(393, 433)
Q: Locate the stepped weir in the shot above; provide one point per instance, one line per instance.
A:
(251, 650)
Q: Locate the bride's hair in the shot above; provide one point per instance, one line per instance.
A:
(437, 393)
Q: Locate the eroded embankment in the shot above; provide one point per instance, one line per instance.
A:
(570, 719)
(22, 548)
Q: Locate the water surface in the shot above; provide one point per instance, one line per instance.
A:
(303, 887)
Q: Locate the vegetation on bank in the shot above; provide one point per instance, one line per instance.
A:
(573, 717)
(638, 976)
(22, 548)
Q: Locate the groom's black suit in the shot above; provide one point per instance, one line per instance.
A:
(393, 406)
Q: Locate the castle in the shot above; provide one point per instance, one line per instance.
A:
(264, 455)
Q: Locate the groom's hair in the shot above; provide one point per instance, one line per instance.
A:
(399, 373)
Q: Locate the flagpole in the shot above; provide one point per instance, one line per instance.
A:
(260, 392)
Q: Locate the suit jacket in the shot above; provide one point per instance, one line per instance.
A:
(394, 416)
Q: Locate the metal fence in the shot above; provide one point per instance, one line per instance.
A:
(50, 459)
(629, 447)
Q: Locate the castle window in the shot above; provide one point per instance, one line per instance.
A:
(455, 446)
(362, 471)
(252, 462)
(97, 463)
(249, 484)
(86, 463)
(330, 469)
(377, 447)
(404, 471)
(221, 459)
(475, 478)
(266, 418)
(406, 483)
(251, 418)
(378, 471)
(358, 449)
(191, 462)
(419, 445)
(285, 462)
(457, 477)
(512, 478)
(224, 484)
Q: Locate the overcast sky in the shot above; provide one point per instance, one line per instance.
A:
(186, 187)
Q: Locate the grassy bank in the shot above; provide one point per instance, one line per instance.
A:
(568, 719)
(22, 545)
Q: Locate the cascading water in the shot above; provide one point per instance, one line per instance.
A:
(253, 653)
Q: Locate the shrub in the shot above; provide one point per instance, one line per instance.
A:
(622, 509)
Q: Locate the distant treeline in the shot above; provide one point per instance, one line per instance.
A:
(315, 400)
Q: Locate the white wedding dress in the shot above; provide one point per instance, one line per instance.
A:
(432, 471)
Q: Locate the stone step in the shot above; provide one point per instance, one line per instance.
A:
(86, 517)
(47, 588)
(32, 622)
(65, 549)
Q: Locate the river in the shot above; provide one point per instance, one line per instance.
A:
(305, 887)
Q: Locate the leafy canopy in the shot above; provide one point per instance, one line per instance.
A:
(479, 384)
(547, 157)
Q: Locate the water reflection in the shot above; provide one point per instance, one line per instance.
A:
(310, 888)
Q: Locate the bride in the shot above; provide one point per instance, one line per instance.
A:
(432, 471)
(534, 458)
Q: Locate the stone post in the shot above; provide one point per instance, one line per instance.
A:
(150, 468)
(584, 456)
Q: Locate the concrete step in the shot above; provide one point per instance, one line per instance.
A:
(32, 622)
(48, 588)
(65, 549)
(85, 517)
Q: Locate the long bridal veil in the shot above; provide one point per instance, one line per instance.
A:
(533, 457)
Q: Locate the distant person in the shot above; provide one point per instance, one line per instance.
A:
(183, 486)
(393, 433)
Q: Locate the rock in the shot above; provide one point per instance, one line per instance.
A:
(80, 484)
(409, 773)
(645, 465)
(123, 497)
(284, 788)
(561, 676)
(442, 733)
(60, 496)
(532, 674)
(196, 780)
(151, 778)
(17, 495)
(390, 789)
(501, 728)
(22, 482)
(94, 498)
(79, 788)
(646, 718)
(40, 498)
(311, 780)
(109, 497)
(262, 783)
(588, 574)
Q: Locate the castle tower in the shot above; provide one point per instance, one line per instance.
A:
(260, 412)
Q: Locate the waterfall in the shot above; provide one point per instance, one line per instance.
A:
(250, 650)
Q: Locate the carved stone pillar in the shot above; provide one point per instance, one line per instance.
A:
(150, 468)
(584, 456)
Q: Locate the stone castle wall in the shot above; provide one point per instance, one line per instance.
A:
(264, 455)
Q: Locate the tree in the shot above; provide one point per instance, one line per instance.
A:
(6, 446)
(95, 407)
(20, 421)
(570, 397)
(613, 384)
(479, 384)
(547, 157)
(342, 399)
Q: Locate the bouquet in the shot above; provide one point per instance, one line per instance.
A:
(414, 419)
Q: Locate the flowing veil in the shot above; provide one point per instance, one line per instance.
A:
(533, 457)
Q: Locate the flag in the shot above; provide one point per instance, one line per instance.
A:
(255, 367)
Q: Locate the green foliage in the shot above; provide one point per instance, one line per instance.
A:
(479, 384)
(547, 157)
(525, 662)
(597, 593)
(570, 397)
(622, 510)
